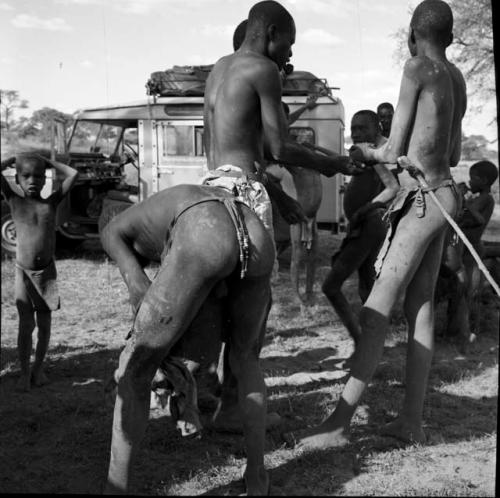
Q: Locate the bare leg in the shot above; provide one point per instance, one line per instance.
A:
(351, 255)
(228, 417)
(311, 264)
(419, 311)
(249, 310)
(43, 321)
(402, 262)
(185, 278)
(26, 326)
(295, 231)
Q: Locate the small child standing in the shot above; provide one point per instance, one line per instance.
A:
(35, 285)
(463, 307)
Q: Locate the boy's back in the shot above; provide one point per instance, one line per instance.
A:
(435, 144)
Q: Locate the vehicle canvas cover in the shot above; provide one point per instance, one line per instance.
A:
(179, 81)
(190, 81)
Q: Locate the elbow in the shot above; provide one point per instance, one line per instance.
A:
(393, 191)
(109, 236)
(278, 153)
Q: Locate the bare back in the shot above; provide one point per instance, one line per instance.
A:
(435, 134)
(237, 90)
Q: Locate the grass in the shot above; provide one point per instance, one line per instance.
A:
(56, 439)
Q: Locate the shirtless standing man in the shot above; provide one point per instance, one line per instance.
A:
(242, 106)
(365, 199)
(427, 128)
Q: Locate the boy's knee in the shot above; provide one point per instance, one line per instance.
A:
(372, 320)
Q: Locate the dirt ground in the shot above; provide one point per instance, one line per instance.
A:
(56, 439)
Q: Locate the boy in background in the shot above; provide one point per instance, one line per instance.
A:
(476, 215)
(35, 285)
(385, 112)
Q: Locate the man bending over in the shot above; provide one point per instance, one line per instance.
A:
(212, 238)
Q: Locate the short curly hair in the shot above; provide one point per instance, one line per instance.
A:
(485, 169)
(433, 20)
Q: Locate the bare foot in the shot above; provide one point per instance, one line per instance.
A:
(38, 378)
(24, 383)
(404, 431)
(229, 420)
(318, 438)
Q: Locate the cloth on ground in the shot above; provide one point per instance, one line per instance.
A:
(41, 286)
(175, 376)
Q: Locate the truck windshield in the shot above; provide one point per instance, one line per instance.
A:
(92, 137)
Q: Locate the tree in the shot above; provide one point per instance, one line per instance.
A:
(472, 47)
(42, 120)
(475, 148)
(10, 100)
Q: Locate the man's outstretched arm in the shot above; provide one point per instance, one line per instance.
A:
(118, 247)
(281, 147)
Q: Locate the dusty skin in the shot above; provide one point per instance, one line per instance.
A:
(427, 129)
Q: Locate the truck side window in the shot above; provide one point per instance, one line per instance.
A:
(302, 134)
(198, 141)
(178, 141)
(183, 140)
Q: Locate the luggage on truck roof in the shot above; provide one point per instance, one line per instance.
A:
(179, 81)
(182, 81)
(305, 83)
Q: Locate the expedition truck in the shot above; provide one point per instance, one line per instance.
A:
(125, 153)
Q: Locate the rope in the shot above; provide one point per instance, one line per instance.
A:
(404, 162)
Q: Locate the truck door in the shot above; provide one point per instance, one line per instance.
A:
(181, 158)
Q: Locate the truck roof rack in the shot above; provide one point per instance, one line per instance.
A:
(181, 81)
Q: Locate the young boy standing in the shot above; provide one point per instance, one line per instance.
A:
(35, 286)
(476, 215)
(427, 128)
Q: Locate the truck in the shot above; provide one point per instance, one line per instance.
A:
(126, 153)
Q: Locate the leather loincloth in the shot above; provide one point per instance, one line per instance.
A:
(399, 207)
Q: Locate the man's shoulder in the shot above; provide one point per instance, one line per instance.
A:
(247, 65)
(416, 63)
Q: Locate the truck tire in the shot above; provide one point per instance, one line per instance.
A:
(109, 210)
(9, 239)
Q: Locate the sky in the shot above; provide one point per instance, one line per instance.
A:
(73, 54)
